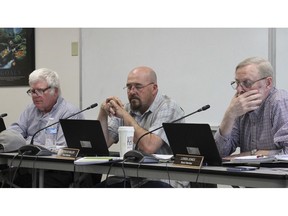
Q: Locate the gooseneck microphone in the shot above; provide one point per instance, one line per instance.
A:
(90, 107)
(185, 116)
(3, 115)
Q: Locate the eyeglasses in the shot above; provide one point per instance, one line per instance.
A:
(38, 92)
(244, 84)
(137, 86)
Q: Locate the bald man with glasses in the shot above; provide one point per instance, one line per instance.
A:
(257, 114)
(147, 109)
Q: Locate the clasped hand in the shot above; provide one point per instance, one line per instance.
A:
(113, 107)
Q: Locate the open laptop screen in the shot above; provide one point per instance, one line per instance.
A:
(195, 139)
(85, 135)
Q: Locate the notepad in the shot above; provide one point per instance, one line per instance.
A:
(96, 160)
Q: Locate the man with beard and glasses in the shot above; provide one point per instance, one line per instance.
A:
(147, 109)
(257, 118)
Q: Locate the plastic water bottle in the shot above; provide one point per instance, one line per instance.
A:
(51, 133)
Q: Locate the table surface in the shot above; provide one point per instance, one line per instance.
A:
(263, 177)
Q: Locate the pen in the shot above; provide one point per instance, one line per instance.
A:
(240, 168)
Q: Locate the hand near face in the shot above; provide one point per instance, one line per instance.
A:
(246, 102)
(113, 107)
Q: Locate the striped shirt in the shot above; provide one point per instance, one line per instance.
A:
(264, 128)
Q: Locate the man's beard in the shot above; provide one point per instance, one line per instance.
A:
(135, 104)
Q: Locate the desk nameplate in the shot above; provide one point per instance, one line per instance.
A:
(194, 161)
(68, 152)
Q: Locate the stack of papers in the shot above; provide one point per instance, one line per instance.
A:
(96, 160)
(252, 159)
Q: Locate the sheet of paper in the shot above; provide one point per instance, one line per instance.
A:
(281, 157)
(163, 157)
(95, 160)
(252, 159)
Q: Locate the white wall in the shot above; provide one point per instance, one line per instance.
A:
(53, 50)
(282, 58)
(194, 65)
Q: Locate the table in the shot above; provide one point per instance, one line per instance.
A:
(262, 177)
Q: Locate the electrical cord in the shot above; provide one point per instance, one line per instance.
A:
(10, 169)
(123, 170)
(7, 178)
(74, 173)
(196, 181)
(168, 174)
(108, 173)
(137, 173)
(19, 165)
(15, 172)
(33, 167)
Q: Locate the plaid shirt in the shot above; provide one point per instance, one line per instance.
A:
(262, 129)
(163, 109)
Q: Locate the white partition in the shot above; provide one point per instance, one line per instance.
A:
(194, 65)
(282, 58)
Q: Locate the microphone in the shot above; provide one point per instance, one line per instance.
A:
(3, 115)
(90, 107)
(40, 150)
(185, 116)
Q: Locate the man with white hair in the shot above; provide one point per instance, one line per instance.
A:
(47, 103)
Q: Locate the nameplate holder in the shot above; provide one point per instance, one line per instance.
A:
(68, 152)
(194, 161)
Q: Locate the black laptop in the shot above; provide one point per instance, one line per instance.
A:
(194, 139)
(2, 125)
(85, 135)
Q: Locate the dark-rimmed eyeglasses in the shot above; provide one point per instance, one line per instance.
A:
(137, 86)
(244, 84)
(38, 92)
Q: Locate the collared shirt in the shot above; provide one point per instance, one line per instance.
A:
(163, 109)
(263, 128)
(32, 119)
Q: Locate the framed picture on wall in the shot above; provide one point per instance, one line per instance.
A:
(17, 56)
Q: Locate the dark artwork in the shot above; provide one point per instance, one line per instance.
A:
(17, 56)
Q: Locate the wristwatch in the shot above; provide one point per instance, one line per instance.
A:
(253, 152)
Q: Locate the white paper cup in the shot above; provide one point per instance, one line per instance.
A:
(126, 134)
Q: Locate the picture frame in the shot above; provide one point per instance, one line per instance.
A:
(17, 55)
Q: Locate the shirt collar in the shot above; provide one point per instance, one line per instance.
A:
(151, 109)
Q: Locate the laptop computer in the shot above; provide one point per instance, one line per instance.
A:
(2, 125)
(85, 135)
(194, 139)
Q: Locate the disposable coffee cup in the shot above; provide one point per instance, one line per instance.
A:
(126, 134)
